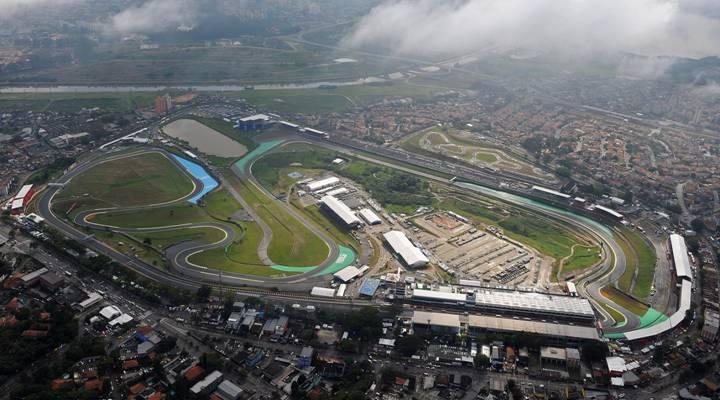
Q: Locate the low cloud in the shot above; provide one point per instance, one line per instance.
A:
(8, 8)
(438, 28)
(155, 16)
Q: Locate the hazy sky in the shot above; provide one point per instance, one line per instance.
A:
(440, 27)
(155, 16)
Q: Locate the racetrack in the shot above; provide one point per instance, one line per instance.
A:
(187, 275)
(178, 255)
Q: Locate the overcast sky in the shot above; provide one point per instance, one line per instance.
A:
(441, 27)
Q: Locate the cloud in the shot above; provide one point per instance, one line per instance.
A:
(437, 28)
(155, 16)
(8, 8)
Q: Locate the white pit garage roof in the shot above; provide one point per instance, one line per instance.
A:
(337, 192)
(341, 210)
(322, 292)
(421, 294)
(322, 183)
(412, 256)
(370, 217)
(347, 274)
(680, 256)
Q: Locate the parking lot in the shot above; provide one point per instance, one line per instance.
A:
(470, 252)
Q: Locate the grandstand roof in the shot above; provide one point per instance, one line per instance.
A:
(552, 192)
(533, 301)
(341, 210)
(23, 191)
(412, 256)
(680, 256)
(440, 296)
(537, 327)
(609, 211)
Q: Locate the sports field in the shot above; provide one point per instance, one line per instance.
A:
(148, 178)
(581, 258)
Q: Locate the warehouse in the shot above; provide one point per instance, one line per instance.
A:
(322, 183)
(93, 298)
(110, 312)
(347, 274)
(370, 217)
(436, 322)
(341, 211)
(322, 292)
(680, 257)
(401, 245)
(338, 191)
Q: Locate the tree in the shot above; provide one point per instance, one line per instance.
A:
(409, 345)
(698, 225)
(594, 351)
(203, 293)
(482, 361)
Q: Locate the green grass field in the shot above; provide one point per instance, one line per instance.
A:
(640, 256)
(615, 314)
(143, 179)
(292, 244)
(581, 258)
(74, 102)
(548, 238)
(624, 300)
(337, 99)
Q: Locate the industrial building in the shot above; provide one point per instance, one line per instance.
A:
(516, 303)
(347, 274)
(436, 322)
(253, 122)
(93, 298)
(68, 139)
(17, 204)
(208, 384)
(476, 325)
(341, 211)
(370, 217)
(412, 256)
(314, 186)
